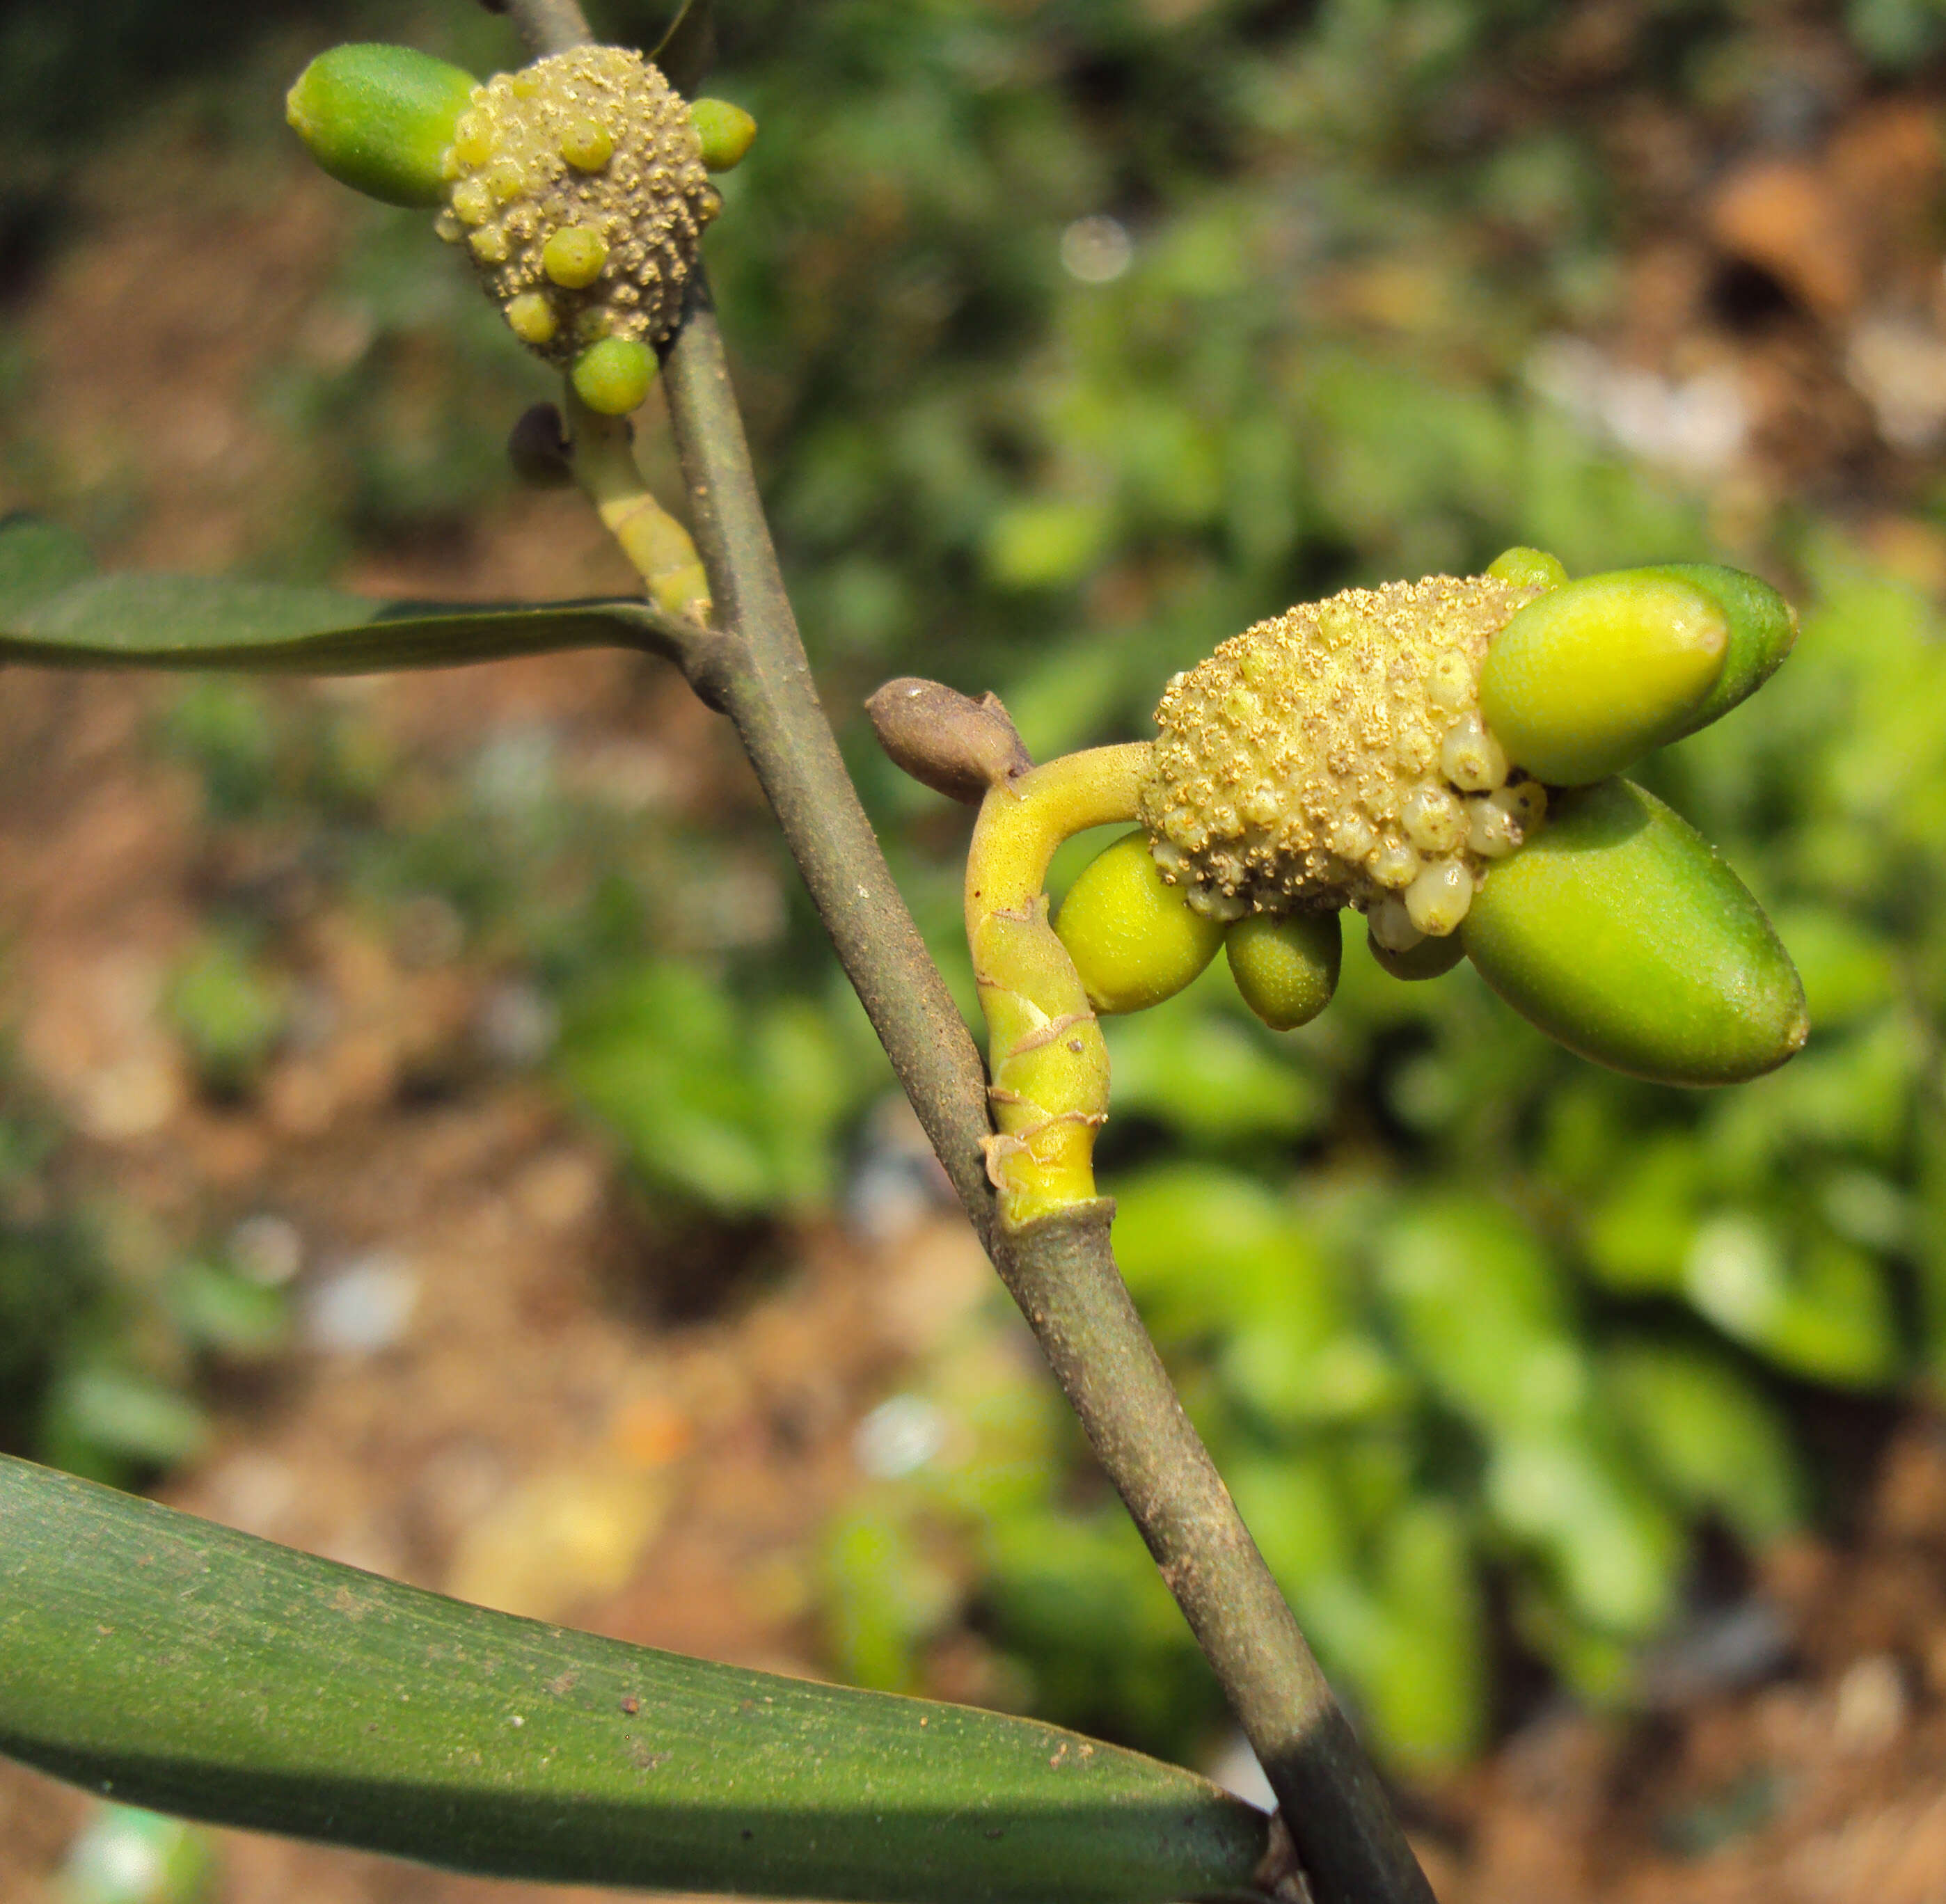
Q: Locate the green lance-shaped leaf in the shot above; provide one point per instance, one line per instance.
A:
(1286, 969)
(1614, 1551)
(1623, 933)
(1709, 1436)
(1133, 938)
(379, 118)
(56, 612)
(1424, 1685)
(1582, 683)
(187, 1667)
(1479, 1304)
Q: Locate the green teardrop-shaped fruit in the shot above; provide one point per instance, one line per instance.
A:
(379, 118)
(1286, 968)
(1590, 678)
(1621, 932)
(725, 130)
(613, 376)
(1431, 958)
(1763, 630)
(1133, 937)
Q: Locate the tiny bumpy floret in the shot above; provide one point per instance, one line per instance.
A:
(577, 187)
(1336, 756)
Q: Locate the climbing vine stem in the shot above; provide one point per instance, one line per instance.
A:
(1059, 1268)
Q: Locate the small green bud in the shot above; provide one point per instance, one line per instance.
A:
(1711, 1438)
(1287, 968)
(1587, 679)
(1429, 958)
(1622, 933)
(726, 131)
(1133, 937)
(379, 118)
(1524, 567)
(613, 377)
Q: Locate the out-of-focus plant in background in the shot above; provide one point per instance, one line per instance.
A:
(1077, 336)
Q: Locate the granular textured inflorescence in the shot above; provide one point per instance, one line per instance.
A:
(577, 187)
(1334, 756)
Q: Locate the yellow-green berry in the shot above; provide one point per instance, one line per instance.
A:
(1132, 938)
(530, 317)
(379, 118)
(473, 141)
(580, 179)
(1527, 568)
(586, 145)
(1621, 932)
(726, 131)
(573, 256)
(1286, 969)
(1337, 756)
(1586, 679)
(613, 376)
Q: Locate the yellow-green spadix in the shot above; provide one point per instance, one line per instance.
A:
(1583, 681)
(1133, 938)
(1623, 933)
(1287, 968)
(379, 118)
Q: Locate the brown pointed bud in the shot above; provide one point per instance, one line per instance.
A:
(538, 448)
(955, 745)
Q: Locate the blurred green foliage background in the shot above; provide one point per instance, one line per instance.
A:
(1075, 336)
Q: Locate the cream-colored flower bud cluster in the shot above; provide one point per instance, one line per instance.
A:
(577, 187)
(1336, 756)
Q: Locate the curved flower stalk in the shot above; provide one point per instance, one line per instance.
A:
(1442, 757)
(1047, 1063)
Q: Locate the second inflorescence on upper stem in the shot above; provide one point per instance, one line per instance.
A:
(578, 187)
(1445, 756)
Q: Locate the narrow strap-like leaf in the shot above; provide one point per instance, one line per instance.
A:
(180, 1665)
(55, 612)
